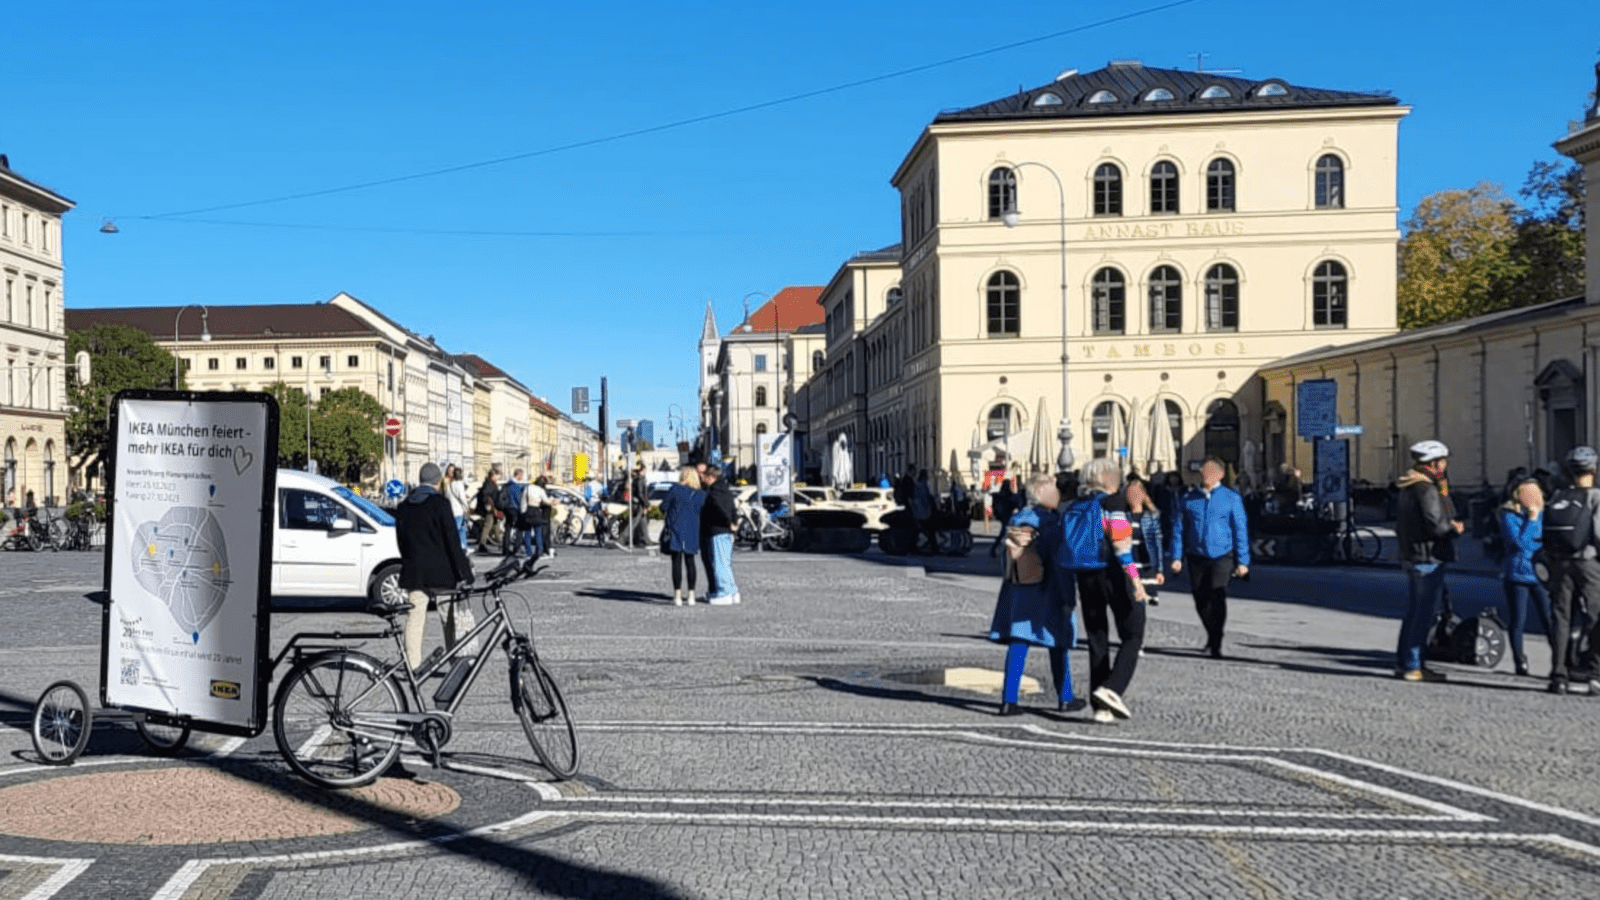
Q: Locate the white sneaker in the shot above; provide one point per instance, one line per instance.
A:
(677, 598)
(721, 601)
(1106, 699)
(1104, 716)
(688, 599)
(737, 599)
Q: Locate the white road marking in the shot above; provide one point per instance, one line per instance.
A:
(66, 870)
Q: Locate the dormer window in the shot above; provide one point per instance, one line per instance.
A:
(1215, 92)
(1272, 89)
(1103, 97)
(1157, 94)
(1047, 99)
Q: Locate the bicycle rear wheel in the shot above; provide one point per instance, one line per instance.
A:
(543, 711)
(1362, 545)
(61, 723)
(334, 719)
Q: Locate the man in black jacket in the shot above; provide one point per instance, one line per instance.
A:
(431, 561)
(716, 532)
(1426, 528)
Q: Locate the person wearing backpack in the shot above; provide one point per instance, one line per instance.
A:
(1571, 532)
(1426, 528)
(1028, 611)
(509, 503)
(1521, 536)
(1096, 548)
(1211, 537)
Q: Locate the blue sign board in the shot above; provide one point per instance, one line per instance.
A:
(1349, 431)
(1331, 465)
(394, 489)
(1317, 408)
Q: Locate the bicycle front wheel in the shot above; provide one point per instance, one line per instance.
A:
(544, 716)
(1362, 545)
(335, 719)
(61, 723)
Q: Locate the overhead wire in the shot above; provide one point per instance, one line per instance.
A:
(668, 126)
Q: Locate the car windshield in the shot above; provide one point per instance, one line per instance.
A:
(861, 496)
(378, 513)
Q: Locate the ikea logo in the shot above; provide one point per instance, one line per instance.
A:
(227, 690)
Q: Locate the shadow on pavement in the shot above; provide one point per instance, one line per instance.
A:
(624, 595)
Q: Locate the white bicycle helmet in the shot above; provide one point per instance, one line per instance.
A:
(1428, 451)
(1582, 459)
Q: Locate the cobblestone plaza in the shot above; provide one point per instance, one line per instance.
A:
(801, 745)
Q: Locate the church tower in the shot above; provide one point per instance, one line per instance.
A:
(710, 345)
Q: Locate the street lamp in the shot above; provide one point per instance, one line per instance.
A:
(205, 337)
(1010, 216)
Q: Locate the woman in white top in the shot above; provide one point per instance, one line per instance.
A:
(456, 489)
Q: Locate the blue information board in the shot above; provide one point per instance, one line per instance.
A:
(1317, 408)
(1331, 463)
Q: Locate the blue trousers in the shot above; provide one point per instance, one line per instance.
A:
(722, 565)
(1017, 660)
(1519, 596)
(1424, 593)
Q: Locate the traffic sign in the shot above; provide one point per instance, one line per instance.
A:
(394, 489)
(1331, 465)
(580, 400)
(1317, 408)
(1348, 430)
(391, 426)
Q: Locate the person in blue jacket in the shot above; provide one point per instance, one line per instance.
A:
(1213, 539)
(1521, 534)
(1029, 611)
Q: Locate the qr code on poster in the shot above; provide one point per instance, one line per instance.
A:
(130, 671)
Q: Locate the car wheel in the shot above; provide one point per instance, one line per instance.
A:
(385, 589)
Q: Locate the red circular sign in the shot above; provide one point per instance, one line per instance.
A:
(391, 426)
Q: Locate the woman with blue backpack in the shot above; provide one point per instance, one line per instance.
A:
(1029, 611)
(1096, 547)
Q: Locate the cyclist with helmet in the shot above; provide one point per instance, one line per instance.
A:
(1426, 527)
(1572, 545)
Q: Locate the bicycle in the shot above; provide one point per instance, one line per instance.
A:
(23, 532)
(1335, 541)
(755, 527)
(606, 529)
(340, 716)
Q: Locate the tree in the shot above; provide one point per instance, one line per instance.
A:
(1548, 248)
(1457, 247)
(120, 358)
(291, 425)
(346, 438)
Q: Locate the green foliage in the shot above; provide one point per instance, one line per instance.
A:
(345, 431)
(120, 358)
(1467, 253)
(291, 425)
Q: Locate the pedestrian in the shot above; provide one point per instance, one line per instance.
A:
(456, 489)
(681, 510)
(1109, 589)
(1004, 505)
(1211, 537)
(1028, 611)
(489, 515)
(1425, 528)
(511, 504)
(922, 511)
(707, 558)
(1149, 549)
(1522, 536)
(639, 507)
(432, 563)
(716, 529)
(1571, 534)
(535, 518)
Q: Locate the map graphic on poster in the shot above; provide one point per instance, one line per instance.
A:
(183, 560)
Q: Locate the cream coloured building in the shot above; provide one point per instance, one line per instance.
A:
(744, 373)
(865, 290)
(33, 339)
(1502, 390)
(1175, 231)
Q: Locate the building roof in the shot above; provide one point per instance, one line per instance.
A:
(543, 406)
(791, 308)
(890, 253)
(1521, 316)
(1128, 87)
(254, 322)
(708, 327)
(31, 192)
(479, 367)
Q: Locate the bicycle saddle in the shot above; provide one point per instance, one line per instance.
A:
(389, 610)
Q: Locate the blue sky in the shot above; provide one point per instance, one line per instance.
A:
(600, 259)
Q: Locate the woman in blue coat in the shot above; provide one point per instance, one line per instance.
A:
(1029, 611)
(1521, 533)
(681, 509)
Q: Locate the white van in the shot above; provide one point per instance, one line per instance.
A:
(328, 541)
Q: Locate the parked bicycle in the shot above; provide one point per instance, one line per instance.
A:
(341, 717)
(606, 529)
(1332, 540)
(23, 532)
(756, 527)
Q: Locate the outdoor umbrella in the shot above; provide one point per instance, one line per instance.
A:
(1116, 433)
(1041, 450)
(843, 466)
(1161, 456)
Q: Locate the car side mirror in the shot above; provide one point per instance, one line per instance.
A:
(341, 524)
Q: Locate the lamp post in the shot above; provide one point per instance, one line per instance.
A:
(1010, 216)
(205, 337)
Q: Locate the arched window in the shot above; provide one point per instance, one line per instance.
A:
(894, 296)
(10, 471)
(1175, 425)
(1110, 302)
(1222, 432)
(1003, 305)
(1215, 92)
(1164, 188)
(1330, 182)
(816, 360)
(1001, 423)
(1222, 298)
(1166, 299)
(1108, 431)
(50, 473)
(761, 428)
(1103, 97)
(1219, 186)
(1329, 295)
(1002, 192)
(1155, 94)
(1047, 99)
(761, 395)
(1107, 190)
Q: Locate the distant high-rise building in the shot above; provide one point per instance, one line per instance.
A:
(647, 431)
